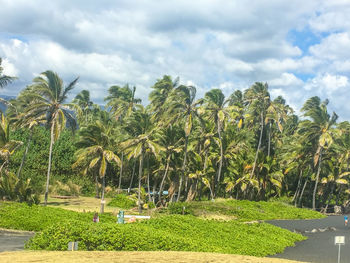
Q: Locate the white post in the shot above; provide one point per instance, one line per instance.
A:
(339, 253)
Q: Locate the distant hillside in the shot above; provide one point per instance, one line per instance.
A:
(3, 107)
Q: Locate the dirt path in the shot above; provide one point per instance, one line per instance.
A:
(130, 257)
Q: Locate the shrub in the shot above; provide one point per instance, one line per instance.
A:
(180, 208)
(176, 233)
(122, 201)
(68, 189)
(36, 218)
(14, 189)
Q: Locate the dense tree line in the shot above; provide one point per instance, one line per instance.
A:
(245, 146)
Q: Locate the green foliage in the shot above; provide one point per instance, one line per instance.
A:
(176, 233)
(37, 158)
(180, 208)
(245, 210)
(122, 201)
(14, 189)
(36, 218)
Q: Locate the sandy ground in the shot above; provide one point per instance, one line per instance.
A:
(130, 257)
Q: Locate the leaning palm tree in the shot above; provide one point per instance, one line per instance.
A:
(4, 80)
(48, 96)
(82, 99)
(95, 143)
(319, 130)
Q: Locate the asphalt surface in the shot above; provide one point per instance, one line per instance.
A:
(13, 240)
(319, 247)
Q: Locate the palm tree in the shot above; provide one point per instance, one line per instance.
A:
(318, 130)
(217, 112)
(82, 99)
(141, 126)
(47, 95)
(122, 100)
(182, 107)
(257, 98)
(95, 143)
(4, 80)
(158, 97)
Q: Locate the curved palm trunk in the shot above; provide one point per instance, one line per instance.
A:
(302, 193)
(183, 170)
(97, 194)
(49, 166)
(121, 172)
(316, 181)
(259, 145)
(269, 143)
(102, 209)
(221, 152)
(148, 185)
(163, 179)
(140, 176)
(25, 154)
(297, 190)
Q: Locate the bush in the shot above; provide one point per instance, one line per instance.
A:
(122, 201)
(14, 189)
(68, 189)
(36, 218)
(176, 233)
(180, 208)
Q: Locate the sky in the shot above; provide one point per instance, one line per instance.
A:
(300, 48)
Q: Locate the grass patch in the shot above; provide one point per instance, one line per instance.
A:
(244, 210)
(174, 232)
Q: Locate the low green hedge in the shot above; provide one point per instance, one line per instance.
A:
(122, 201)
(174, 232)
(245, 210)
(36, 218)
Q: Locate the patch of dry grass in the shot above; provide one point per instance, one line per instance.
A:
(128, 257)
(80, 204)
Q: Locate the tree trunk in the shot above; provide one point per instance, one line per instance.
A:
(316, 181)
(148, 186)
(269, 142)
(259, 145)
(297, 190)
(132, 176)
(121, 172)
(302, 193)
(183, 170)
(163, 179)
(140, 176)
(49, 166)
(102, 210)
(329, 197)
(97, 194)
(221, 153)
(25, 154)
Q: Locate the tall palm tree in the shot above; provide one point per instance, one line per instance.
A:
(140, 124)
(4, 80)
(319, 130)
(257, 99)
(183, 108)
(215, 106)
(95, 144)
(48, 96)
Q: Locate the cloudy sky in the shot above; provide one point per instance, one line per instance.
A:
(300, 48)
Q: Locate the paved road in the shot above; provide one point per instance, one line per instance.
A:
(319, 247)
(12, 241)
